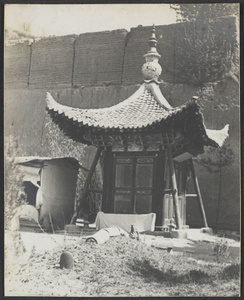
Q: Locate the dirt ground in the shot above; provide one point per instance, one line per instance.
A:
(201, 265)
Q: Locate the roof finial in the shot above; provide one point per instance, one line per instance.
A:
(153, 46)
(151, 69)
(153, 41)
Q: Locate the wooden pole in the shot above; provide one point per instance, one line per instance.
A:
(174, 189)
(198, 192)
(185, 180)
(87, 183)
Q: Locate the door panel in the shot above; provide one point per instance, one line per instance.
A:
(123, 176)
(122, 204)
(144, 175)
(133, 186)
(143, 204)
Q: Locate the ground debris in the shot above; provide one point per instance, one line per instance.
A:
(124, 267)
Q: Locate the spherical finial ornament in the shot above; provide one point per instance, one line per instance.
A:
(151, 70)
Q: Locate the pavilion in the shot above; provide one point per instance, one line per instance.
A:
(147, 147)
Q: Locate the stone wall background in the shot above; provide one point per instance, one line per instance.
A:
(95, 70)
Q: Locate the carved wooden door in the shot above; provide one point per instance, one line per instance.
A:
(133, 184)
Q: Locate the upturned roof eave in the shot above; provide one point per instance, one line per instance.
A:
(62, 113)
(82, 115)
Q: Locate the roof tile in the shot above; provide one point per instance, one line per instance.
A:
(139, 110)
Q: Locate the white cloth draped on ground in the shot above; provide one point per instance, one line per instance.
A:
(141, 222)
(104, 234)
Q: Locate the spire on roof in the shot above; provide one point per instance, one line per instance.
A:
(153, 47)
(151, 69)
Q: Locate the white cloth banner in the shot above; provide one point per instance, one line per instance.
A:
(142, 222)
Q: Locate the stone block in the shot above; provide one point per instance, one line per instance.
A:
(207, 230)
(179, 234)
(66, 260)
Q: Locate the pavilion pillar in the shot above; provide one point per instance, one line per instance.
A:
(174, 188)
(185, 181)
(87, 183)
(199, 196)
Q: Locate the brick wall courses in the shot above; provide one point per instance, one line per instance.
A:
(99, 58)
(17, 65)
(52, 62)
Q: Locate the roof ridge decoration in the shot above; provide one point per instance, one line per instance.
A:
(151, 69)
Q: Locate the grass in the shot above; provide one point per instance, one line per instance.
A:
(124, 267)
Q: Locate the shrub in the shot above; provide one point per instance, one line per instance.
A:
(221, 248)
(208, 54)
(13, 179)
(231, 272)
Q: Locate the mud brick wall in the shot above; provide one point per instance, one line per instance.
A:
(99, 58)
(17, 64)
(52, 62)
(111, 57)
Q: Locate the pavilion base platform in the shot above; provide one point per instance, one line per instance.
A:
(179, 234)
(196, 242)
(184, 233)
(207, 230)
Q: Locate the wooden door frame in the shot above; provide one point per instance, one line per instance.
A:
(134, 158)
(109, 178)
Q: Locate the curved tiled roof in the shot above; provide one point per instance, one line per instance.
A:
(145, 107)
